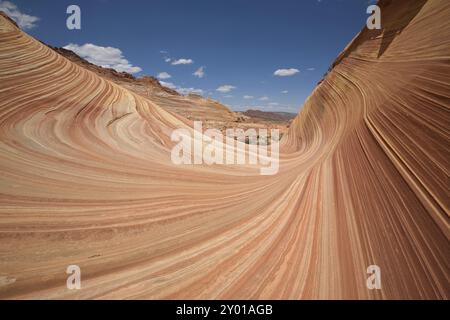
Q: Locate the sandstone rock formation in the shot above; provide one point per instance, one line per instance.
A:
(86, 179)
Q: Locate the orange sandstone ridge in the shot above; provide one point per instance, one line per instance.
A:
(191, 106)
(364, 168)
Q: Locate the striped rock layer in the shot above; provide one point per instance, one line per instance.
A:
(86, 179)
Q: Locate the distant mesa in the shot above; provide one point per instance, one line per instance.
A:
(270, 116)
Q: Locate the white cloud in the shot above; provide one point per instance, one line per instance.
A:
(285, 72)
(164, 75)
(23, 20)
(189, 90)
(169, 85)
(200, 73)
(182, 61)
(248, 97)
(180, 90)
(167, 59)
(264, 98)
(274, 104)
(107, 57)
(311, 69)
(284, 91)
(225, 88)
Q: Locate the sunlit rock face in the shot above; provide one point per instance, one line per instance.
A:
(86, 179)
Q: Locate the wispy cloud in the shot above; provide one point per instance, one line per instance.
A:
(182, 61)
(189, 90)
(169, 85)
(23, 20)
(248, 97)
(181, 90)
(164, 75)
(225, 88)
(107, 57)
(200, 72)
(284, 91)
(265, 98)
(311, 69)
(165, 55)
(286, 72)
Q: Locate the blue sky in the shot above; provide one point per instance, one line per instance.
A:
(239, 43)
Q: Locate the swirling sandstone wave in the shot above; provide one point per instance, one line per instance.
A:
(86, 179)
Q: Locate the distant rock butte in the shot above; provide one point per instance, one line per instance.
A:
(270, 116)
